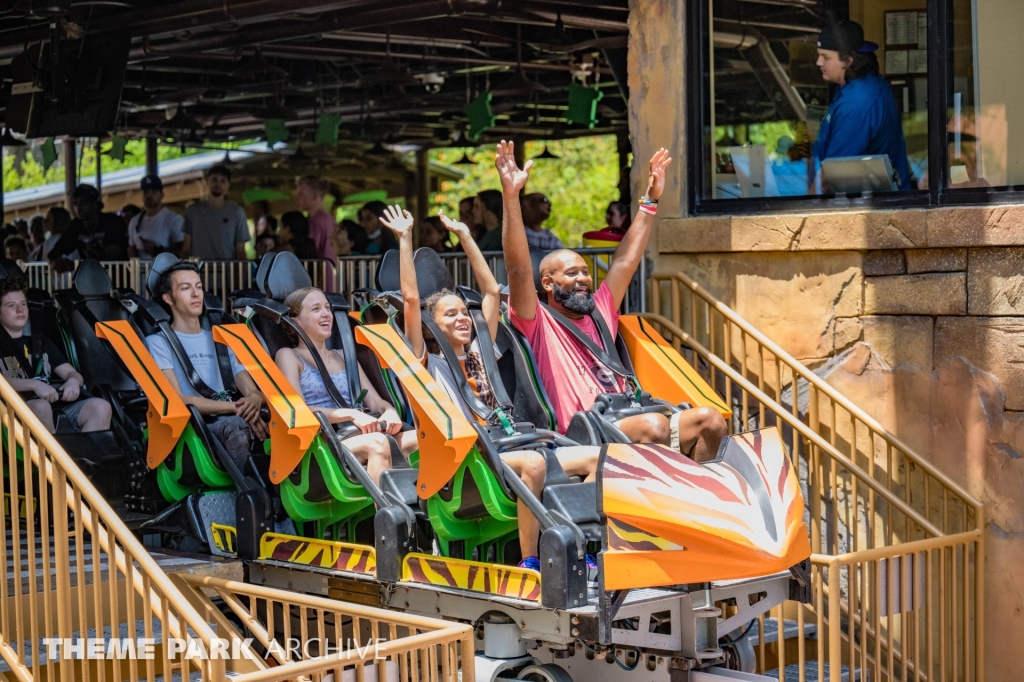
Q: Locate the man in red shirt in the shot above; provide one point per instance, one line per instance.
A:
(309, 197)
(572, 375)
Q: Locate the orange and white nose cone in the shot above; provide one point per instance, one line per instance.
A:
(672, 521)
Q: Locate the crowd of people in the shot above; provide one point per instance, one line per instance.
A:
(217, 228)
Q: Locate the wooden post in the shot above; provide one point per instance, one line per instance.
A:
(99, 167)
(422, 185)
(70, 169)
(625, 147)
(151, 156)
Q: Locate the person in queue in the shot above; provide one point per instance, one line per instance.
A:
(617, 215)
(487, 208)
(309, 197)
(536, 208)
(468, 217)
(294, 236)
(234, 422)
(449, 313)
(92, 234)
(215, 228)
(33, 368)
(863, 118)
(571, 374)
(15, 248)
(156, 229)
(312, 312)
(433, 235)
(378, 240)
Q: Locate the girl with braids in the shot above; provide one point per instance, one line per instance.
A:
(450, 314)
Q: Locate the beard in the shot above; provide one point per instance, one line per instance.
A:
(581, 304)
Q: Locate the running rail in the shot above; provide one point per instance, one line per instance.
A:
(914, 590)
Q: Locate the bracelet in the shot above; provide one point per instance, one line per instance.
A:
(648, 202)
(649, 208)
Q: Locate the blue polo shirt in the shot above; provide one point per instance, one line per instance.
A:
(864, 119)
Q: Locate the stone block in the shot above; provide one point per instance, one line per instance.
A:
(796, 299)
(936, 260)
(976, 226)
(709, 234)
(885, 262)
(901, 339)
(994, 344)
(941, 294)
(995, 281)
(864, 231)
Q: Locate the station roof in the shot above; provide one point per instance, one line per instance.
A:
(399, 72)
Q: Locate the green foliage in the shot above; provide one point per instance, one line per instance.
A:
(23, 169)
(579, 184)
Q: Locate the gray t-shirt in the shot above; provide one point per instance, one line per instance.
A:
(215, 231)
(201, 352)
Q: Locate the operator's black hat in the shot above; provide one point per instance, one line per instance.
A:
(844, 36)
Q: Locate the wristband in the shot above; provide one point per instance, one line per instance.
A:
(649, 208)
(648, 202)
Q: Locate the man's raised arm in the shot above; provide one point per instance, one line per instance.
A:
(522, 294)
(634, 244)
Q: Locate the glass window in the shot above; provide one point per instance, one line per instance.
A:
(783, 117)
(985, 122)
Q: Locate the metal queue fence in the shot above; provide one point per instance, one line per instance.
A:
(348, 275)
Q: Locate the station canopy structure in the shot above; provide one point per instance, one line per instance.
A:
(310, 74)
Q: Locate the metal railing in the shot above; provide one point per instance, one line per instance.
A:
(338, 637)
(895, 594)
(74, 571)
(73, 567)
(349, 274)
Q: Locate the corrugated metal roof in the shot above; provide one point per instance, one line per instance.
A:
(173, 170)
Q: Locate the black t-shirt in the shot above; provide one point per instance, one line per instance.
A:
(41, 364)
(107, 240)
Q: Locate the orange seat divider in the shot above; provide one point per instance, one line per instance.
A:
(662, 371)
(445, 435)
(167, 415)
(292, 425)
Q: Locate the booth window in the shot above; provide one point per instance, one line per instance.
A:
(925, 114)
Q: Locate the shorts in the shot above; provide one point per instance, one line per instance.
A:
(71, 411)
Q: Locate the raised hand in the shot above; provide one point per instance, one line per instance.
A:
(397, 220)
(459, 229)
(512, 178)
(656, 181)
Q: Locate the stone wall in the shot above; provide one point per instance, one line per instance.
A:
(921, 312)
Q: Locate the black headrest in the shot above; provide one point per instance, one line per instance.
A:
(431, 272)
(91, 279)
(285, 275)
(160, 265)
(388, 272)
(9, 268)
(536, 257)
(262, 271)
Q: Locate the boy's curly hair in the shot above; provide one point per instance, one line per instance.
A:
(9, 285)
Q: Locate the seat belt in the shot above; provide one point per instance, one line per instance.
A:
(227, 377)
(610, 361)
(174, 343)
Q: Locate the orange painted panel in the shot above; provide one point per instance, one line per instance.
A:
(167, 415)
(292, 424)
(662, 371)
(445, 435)
(673, 521)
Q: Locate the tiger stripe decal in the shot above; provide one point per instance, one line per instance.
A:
(341, 556)
(495, 579)
(673, 521)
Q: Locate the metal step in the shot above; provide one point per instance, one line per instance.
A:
(791, 630)
(792, 673)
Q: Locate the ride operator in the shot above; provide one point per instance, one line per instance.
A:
(863, 118)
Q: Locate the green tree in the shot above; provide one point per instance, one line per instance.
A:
(580, 183)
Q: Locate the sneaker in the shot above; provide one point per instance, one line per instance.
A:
(591, 562)
(530, 562)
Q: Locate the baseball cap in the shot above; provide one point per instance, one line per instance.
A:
(844, 36)
(84, 191)
(152, 182)
(220, 170)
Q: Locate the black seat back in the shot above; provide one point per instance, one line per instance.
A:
(88, 301)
